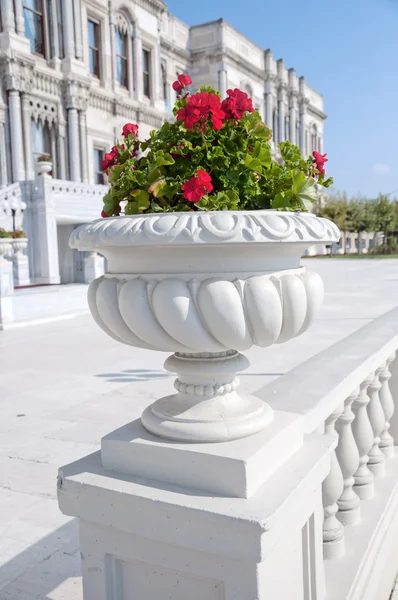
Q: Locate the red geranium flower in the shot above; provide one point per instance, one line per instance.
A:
(182, 82)
(109, 159)
(130, 128)
(320, 160)
(197, 187)
(236, 104)
(199, 108)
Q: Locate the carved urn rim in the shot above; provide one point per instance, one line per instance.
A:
(212, 227)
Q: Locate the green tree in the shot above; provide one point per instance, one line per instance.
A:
(384, 216)
(359, 218)
(335, 209)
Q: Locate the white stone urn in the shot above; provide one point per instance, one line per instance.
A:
(19, 245)
(5, 247)
(44, 167)
(206, 286)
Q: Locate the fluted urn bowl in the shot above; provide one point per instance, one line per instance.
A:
(205, 286)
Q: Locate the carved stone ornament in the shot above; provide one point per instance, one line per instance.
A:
(205, 286)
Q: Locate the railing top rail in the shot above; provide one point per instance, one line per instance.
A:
(77, 189)
(316, 387)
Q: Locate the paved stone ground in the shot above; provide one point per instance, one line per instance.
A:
(64, 384)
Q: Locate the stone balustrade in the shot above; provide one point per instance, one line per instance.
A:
(349, 392)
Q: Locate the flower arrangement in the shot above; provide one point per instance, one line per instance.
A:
(4, 233)
(216, 156)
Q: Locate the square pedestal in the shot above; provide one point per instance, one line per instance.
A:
(236, 468)
(143, 539)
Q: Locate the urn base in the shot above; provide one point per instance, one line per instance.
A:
(207, 406)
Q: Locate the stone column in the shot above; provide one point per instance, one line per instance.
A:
(137, 53)
(6, 285)
(77, 12)
(69, 30)
(3, 156)
(282, 113)
(93, 266)
(27, 133)
(303, 111)
(19, 18)
(74, 149)
(61, 151)
(54, 154)
(223, 82)
(7, 16)
(17, 145)
(83, 145)
(43, 223)
(293, 117)
(270, 108)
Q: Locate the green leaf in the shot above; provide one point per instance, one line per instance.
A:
(132, 208)
(156, 174)
(141, 197)
(263, 153)
(114, 173)
(254, 164)
(283, 199)
(163, 158)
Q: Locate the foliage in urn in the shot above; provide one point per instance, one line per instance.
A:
(44, 158)
(18, 234)
(4, 233)
(215, 156)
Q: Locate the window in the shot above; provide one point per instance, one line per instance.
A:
(98, 174)
(34, 24)
(93, 47)
(60, 29)
(163, 68)
(298, 125)
(121, 59)
(314, 138)
(146, 71)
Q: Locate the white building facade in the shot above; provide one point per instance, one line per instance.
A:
(73, 72)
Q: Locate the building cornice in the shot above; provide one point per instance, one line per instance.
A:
(316, 112)
(165, 44)
(219, 53)
(155, 7)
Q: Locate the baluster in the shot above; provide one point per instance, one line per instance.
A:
(377, 420)
(348, 457)
(387, 402)
(332, 487)
(363, 435)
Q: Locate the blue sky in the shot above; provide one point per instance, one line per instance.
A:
(348, 51)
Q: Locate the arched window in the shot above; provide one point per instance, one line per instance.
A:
(41, 140)
(248, 90)
(124, 52)
(314, 138)
(122, 59)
